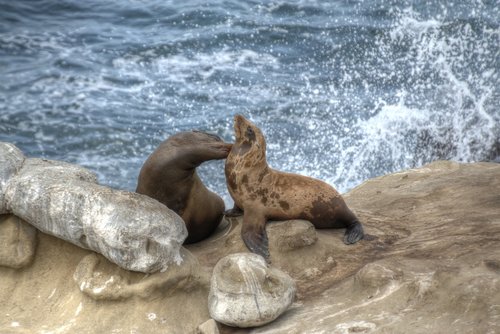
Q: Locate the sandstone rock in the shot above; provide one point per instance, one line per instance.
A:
(375, 276)
(17, 242)
(429, 264)
(295, 247)
(208, 327)
(43, 297)
(131, 230)
(11, 160)
(246, 292)
(106, 283)
(291, 234)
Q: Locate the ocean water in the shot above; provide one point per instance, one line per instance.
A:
(343, 90)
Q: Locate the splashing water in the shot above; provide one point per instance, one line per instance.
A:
(446, 108)
(343, 91)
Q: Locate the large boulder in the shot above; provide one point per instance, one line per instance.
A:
(64, 200)
(246, 292)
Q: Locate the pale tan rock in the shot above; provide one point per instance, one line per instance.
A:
(44, 298)
(17, 242)
(376, 276)
(246, 292)
(429, 264)
(99, 279)
(291, 234)
(308, 259)
(208, 327)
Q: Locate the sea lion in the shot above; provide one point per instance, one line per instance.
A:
(169, 176)
(267, 194)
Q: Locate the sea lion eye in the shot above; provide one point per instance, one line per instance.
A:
(250, 133)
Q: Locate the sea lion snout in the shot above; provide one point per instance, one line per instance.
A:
(225, 148)
(239, 121)
(245, 130)
(201, 140)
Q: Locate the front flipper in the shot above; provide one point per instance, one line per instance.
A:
(234, 212)
(253, 233)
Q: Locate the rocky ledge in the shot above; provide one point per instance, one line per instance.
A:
(430, 263)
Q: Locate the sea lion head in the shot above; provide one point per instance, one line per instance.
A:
(249, 138)
(206, 145)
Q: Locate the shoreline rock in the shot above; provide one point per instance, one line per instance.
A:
(64, 200)
(430, 264)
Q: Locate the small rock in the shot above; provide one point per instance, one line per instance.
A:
(17, 242)
(375, 276)
(291, 234)
(208, 327)
(246, 292)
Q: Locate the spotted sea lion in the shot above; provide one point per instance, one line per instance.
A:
(169, 176)
(263, 193)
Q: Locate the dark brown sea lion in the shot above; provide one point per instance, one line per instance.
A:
(169, 176)
(266, 194)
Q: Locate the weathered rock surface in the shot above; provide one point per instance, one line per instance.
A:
(291, 235)
(208, 327)
(11, 160)
(64, 200)
(45, 298)
(246, 292)
(17, 242)
(101, 281)
(430, 264)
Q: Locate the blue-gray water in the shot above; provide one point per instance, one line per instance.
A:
(343, 90)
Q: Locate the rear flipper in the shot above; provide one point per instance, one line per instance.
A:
(234, 212)
(353, 233)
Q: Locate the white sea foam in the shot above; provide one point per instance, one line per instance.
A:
(340, 108)
(451, 116)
